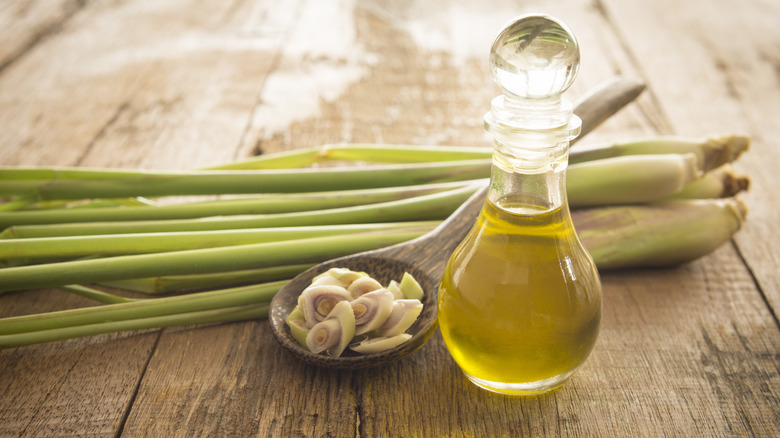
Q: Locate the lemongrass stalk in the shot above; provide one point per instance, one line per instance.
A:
(136, 201)
(357, 152)
(419, 208)
(238, 296)
(152, 183)
(220, 259)
(630, 179)
(219, 315)
(658, 235)
(95, 295)
(722, 182)
(54, 173)
(711, 152)
(16, 204)
(125, 244)
(260, 204)
(188, 283)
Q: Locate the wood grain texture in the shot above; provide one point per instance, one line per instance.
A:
(688, 352)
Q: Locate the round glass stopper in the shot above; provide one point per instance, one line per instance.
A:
(534, 57)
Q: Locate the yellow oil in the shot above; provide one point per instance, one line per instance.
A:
(520, 300)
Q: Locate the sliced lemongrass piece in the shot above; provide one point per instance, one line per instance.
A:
(344, 275)
(327, 280)
(378, 345)
(319, 300)
(372, 310)
(395, 288)
(410, 288)
(334, 333)
(297, 324)
(363, 285)
(404, 314)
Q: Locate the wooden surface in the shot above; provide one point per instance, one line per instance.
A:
(692, 351)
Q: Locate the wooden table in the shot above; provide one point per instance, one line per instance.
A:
(176, 84)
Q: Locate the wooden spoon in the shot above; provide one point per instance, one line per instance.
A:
(425, 257)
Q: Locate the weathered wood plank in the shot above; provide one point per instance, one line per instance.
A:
(716, 71)
(151, 85)
(234, 380)
(26, 23)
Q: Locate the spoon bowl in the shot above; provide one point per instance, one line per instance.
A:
(424, 258)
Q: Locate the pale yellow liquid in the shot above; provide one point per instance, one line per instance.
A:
(520, 301)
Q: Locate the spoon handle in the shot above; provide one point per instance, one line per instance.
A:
(431, 251)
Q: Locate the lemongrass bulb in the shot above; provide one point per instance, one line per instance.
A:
(363, 285)
(334, 333)
(372, 310)
(403, 315)
(317, 301)
(395, 288)
(378, 345)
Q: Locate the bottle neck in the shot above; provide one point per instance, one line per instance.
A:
(530, 153)
(529, 180)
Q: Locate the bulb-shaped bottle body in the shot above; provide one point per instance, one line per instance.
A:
(520, 299)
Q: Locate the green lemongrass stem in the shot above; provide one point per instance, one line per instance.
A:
(199, 260)
(219, 315)
(16, 204)
(238, 296)
(711, 152)
(261, 204)
(126, 244)
(95, 295)
(420, 208)
(188, 283)
(630, 179)
(151, 183)
(722, 182)
(372, 153)
(662, 234)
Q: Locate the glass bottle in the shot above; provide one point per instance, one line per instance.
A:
(520, 300)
